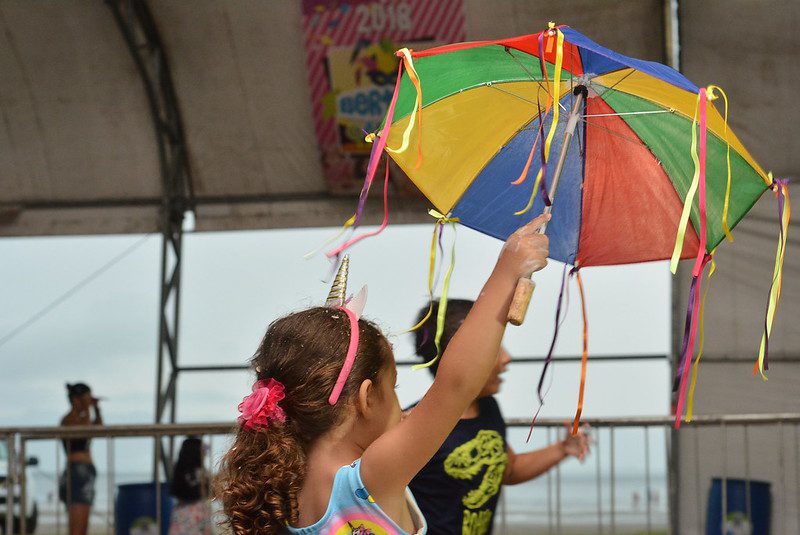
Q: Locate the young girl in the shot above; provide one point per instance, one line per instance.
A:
(322, 450)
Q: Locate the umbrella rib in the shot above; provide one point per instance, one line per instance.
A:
(532, 78)
(650, 112)
(506, 91)
(611, 88)
(524, 68)
(635, 141)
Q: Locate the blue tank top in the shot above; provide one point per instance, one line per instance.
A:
(352, 511)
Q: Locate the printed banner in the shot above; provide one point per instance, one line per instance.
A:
(350, 46)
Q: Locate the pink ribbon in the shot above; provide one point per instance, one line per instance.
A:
(699, 263)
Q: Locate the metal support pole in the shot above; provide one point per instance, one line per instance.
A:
(672, 56)
(599, 477)
(11, 470)
(58, 476)
(23, 490)
(613, 482)
(648, 489)
(144, 43)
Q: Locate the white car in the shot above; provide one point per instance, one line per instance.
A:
(31, 507)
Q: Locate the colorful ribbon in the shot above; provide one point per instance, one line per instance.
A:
(781, 189)
(711, 95)
(441, 221)
(349, 243)
(698, 182)
(700, 338)
(377, 148)
(549, 358)
(350, 358)
(416, 115)
(555, 95)
(584, 356)
(524, 174)
(687, 204)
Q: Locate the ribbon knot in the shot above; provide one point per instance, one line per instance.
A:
(441, 218)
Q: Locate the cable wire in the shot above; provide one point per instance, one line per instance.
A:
(72, 291)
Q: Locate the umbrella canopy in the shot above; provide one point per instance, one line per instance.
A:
(626, 173)
(473, 126)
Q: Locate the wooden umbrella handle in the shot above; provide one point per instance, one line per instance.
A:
(521, 301)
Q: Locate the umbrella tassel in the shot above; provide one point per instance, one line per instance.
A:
(549, 358)
(702, 258)
(726, 206)
(372, 166)
(687, 204)
(377, 149)
(584, 356)
(524, 174)
(416, 115)
(442, 309)
(349, 243)
(781, 188)
(437, 231)
(700, 339)
(690, 334)
(554, 94)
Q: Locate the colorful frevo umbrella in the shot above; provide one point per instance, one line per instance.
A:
(645, 166)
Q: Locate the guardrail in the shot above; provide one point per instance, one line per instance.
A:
(605, 520)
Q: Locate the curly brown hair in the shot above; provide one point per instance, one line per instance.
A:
(261, 475)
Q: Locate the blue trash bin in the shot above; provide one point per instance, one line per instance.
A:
(737, 521)
(135, 510)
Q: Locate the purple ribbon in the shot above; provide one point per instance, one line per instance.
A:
(545, 196)
(549, 357)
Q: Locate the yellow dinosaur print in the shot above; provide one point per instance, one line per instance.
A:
(467, 461)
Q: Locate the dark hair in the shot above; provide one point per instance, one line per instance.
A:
(457, 310)
(187, 476)
(77, 389)
(261, 475)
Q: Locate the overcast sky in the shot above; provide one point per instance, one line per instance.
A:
(234, 284)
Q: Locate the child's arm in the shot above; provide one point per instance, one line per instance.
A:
(389, 463)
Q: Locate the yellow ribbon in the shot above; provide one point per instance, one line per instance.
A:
(700, 339)
(777, 278)
(687, 204)
(416, 114)
(441, 220)
(710, 92)
(347, 224)
(554, 123)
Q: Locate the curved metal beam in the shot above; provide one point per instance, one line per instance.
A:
(141, 35)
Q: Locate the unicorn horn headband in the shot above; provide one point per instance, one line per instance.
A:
(337, 298)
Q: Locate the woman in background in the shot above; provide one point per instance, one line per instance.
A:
(76, 485)
(191, 515)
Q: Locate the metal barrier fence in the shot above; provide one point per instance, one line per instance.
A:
(604, 520)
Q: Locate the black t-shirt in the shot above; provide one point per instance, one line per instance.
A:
(458, 489)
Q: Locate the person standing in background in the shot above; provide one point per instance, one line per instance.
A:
(189, 485)
(76, 484)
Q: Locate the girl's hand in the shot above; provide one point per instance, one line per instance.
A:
(525, 251)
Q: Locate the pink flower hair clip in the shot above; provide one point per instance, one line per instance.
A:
(261, 406)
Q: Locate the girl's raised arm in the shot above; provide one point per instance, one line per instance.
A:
(391, 461)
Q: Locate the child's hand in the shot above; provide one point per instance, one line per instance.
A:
(526, 250)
